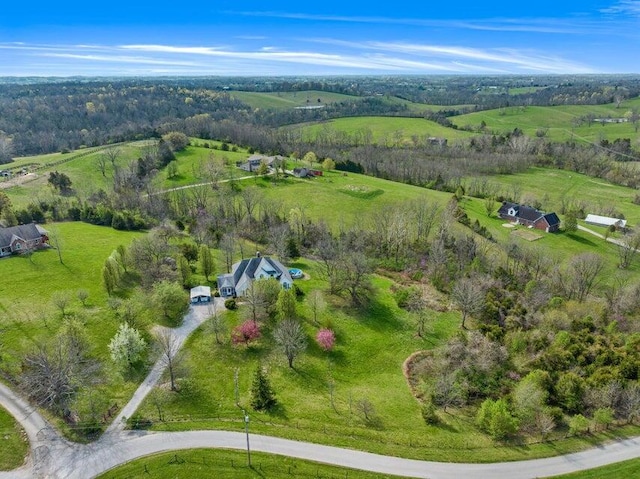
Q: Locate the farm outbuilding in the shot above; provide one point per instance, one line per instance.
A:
(605, 221)
(200, 294)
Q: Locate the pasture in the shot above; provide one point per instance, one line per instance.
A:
(388, 130)
(290, 99)
(558, 122)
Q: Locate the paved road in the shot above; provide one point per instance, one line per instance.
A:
(56, 458)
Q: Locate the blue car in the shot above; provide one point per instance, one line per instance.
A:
(296, 273)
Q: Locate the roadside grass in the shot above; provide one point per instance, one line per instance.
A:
(13, 444)
(619, 470)
(222, 463)
(28, 317)
(383, 129)
(558, 120)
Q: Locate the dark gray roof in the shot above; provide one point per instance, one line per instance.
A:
(26, 232)
(504, 209)
(528, 213)
(552, 219)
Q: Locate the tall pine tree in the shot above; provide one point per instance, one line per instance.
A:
(262, 396)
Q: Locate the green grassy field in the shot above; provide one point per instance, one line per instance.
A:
(552, 186)
(328, 198)
(388, 130)
(28, 317)
(220, 463)
(13, 445)
(557, 120)
(289, 99)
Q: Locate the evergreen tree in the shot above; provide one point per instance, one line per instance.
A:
(262, 396)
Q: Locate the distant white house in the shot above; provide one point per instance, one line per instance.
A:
(244, 272)
(605, 221)
(200, 294)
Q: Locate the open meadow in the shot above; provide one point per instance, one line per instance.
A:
(558, 122)
(389, 130)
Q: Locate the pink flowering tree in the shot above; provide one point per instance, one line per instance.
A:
(245, 332)
(326, 339)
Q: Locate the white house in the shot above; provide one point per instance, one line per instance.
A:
(605, 221)
(244, 272)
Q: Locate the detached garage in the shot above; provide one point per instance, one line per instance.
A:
(200, 294)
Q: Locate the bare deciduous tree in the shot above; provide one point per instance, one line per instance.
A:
(468, 295)
(169, 346)
(290, 338)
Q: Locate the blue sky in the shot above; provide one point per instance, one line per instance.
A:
(319, 38)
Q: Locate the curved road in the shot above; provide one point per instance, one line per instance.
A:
(54, 457)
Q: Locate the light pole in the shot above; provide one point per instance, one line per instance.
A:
(246, 431)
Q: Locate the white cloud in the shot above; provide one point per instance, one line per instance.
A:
(578, 25)
(624, 7)
(335, 57)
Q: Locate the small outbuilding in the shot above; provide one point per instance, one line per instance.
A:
(605, 221)
(200, 294)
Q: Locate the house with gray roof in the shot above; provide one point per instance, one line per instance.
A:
(22, 238)
(244, 272)
(530, 217)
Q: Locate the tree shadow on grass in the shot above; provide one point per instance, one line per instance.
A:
(581, 240)
(378, 316)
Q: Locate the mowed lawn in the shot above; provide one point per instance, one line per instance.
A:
(13, 444)
(558, 120)
(621, 470)
(551, 186)
(385, 129)
(220, 463)
(28, 317)
(341, 199)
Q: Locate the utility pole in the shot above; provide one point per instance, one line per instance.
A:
(246, 431)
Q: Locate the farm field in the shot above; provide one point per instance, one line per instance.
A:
(14, 446)
(557, 120)
(199, 464)
(341, 199)
(290, 99)
(387, 130)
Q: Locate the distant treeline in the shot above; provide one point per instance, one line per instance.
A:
(55, 116)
